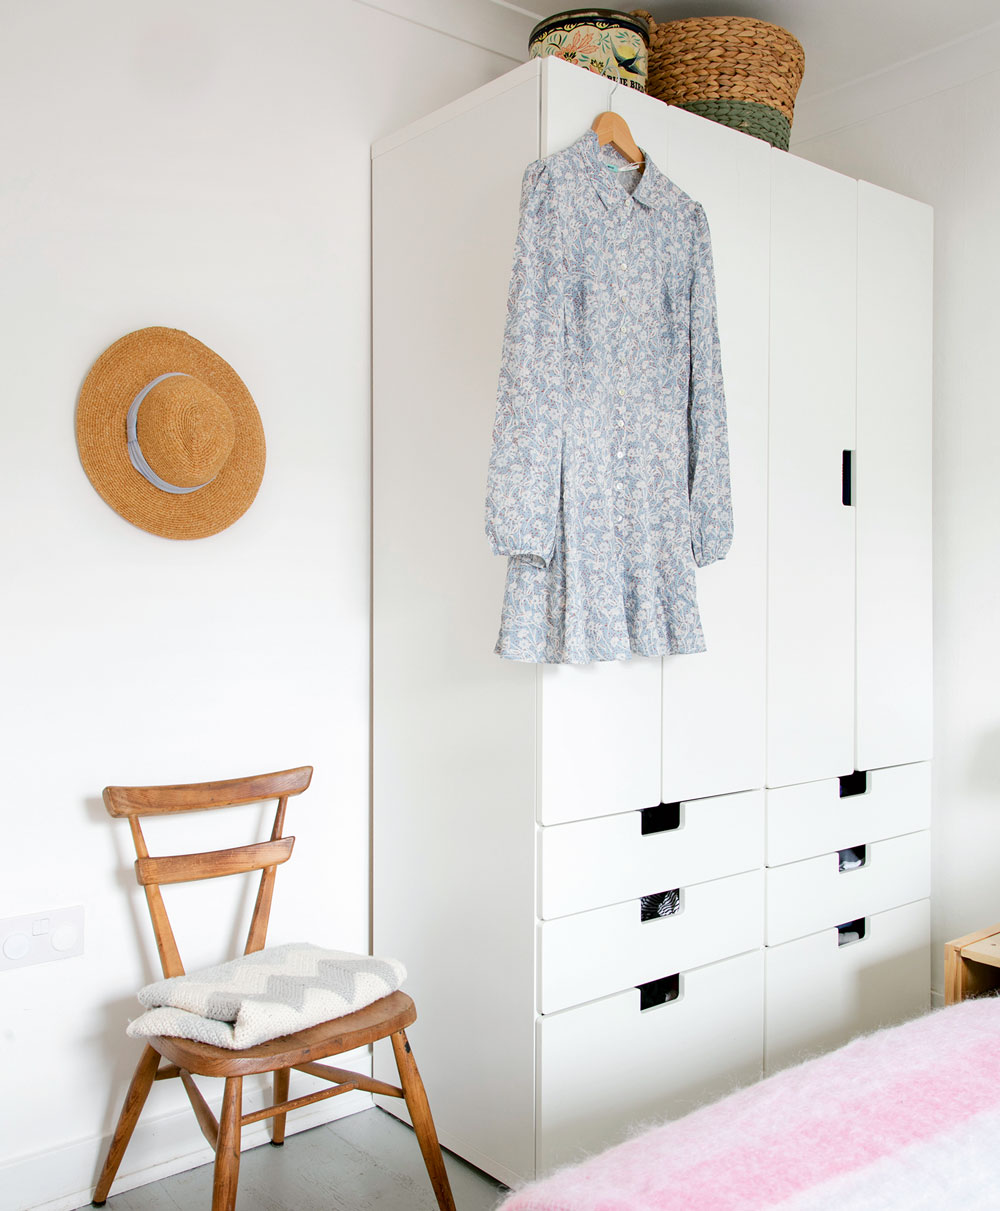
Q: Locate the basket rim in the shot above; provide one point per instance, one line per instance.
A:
(779, 34)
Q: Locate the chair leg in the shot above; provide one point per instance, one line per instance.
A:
(227, 1150)
(135, 1099)
(281, 1076)
(423, 1124)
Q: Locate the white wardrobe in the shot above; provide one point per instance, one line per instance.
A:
(521, 811)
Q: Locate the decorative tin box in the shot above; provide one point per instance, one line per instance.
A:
(604, 40)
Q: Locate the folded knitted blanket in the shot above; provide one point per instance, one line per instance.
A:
(263, 995)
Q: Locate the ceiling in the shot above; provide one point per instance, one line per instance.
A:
(844, 40)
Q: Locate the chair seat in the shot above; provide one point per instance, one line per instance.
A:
(375, 1021)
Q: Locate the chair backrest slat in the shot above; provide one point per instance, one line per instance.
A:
(265, 856)
(213, 864)
(202, 796)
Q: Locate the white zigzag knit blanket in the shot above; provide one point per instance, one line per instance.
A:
(263, 995)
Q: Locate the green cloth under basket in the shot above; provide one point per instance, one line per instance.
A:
(753, 118)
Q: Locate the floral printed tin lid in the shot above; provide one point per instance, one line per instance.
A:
(603, 40)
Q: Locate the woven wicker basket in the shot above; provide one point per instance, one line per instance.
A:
(734, 70)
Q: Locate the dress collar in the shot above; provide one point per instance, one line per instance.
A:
(653, 189)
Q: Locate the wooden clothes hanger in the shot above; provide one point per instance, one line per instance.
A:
(612, 128)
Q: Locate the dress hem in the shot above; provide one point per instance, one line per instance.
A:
(532, 658)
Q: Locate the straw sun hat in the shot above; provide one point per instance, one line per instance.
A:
(169, 435)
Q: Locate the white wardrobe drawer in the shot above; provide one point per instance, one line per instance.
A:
(664, 1060)
(820, 994)
(804, 897)
(594, 862)
(813, 818)
(593, 954)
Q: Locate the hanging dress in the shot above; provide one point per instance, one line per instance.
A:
(609, 473)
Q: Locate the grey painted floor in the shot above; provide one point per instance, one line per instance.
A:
(359, 1163)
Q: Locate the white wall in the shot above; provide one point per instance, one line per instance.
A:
(929, 130)
(205, 166)
(201, 166)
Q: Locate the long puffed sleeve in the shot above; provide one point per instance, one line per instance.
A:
(522, 500)
(708, 468)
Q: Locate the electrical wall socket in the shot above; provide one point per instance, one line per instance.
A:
(41, 937)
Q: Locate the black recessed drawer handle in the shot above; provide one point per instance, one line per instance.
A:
(661, 818)
(658, 992)
(852, 859)
(852, 931)
(854, 784)
(660, 904)
(847, 478)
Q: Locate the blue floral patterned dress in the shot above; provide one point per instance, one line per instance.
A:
(609, 473)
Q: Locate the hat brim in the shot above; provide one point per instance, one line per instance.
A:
(115, 379)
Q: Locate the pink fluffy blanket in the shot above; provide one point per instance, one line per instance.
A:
(906, 1119)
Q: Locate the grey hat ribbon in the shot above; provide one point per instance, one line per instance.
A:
(135, 453)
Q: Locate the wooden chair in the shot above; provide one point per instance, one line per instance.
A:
(386, 1018)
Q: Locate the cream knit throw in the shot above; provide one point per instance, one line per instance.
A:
(264, 995)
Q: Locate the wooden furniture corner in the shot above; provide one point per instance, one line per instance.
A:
(972, 965)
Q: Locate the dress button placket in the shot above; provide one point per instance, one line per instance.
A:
(622, 371)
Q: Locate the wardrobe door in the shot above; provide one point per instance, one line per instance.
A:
(598, 739)
(713, 702)
(895, 262)
(810, 663)
(598, 724)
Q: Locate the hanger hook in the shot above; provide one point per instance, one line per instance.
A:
(615, 84)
